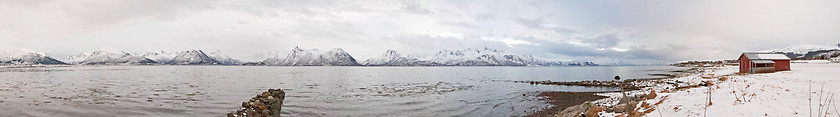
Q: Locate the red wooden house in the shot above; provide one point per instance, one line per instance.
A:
(757, 62)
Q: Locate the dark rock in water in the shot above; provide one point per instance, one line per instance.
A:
(266, 104)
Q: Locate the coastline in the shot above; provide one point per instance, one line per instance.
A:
(609, 103)
(806, 90)
(563, 100)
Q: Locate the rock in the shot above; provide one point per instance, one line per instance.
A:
(593, 111)
(623, 107)
(574, 111)
(245, 104)
(267, 103)
(266, 94)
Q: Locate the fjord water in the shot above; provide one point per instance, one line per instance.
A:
(310, 91)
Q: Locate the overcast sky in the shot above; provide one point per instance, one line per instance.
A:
(655, 31)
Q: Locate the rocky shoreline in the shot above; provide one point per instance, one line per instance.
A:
(586, 104)
(564, 100)
(265, 104)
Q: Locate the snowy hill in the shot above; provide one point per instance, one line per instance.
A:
(223, 59)
(193, 57)
(392, 58)
(480, 57)
(161, 57)
(107, 56)
(313, 57)
(466, 57)
(809, 51)
(26, 57)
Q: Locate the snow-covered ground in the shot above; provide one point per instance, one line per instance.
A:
(806, 90)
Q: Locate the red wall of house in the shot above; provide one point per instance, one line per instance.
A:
(782, 65)
(744, 64)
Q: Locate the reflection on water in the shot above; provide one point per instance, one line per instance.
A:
(311, 91)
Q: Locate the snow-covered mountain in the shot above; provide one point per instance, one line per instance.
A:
(466, 57)
(161, 57)
(480, 57)
(313, 57)
(26, 57)
(810, 51)
(108, 57)
(392, 58)
(224, 59)
(193, 57)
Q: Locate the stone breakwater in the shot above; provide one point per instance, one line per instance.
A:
(615, 103)
(265, 104)
(628, 84)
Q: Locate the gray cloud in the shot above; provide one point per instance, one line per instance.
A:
(646, 31)
(603, 41)
(538, 24)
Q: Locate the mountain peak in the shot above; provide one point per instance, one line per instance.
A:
(313, 57)
(338, 49)
(108, 55)
(297, 49)
(391, 52)
(26, 56)
(108, 49)
(28, 51)
(195, 51)
(193, 57)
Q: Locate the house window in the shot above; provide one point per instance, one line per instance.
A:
(763, 65)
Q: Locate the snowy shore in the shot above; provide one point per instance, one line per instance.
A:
(806, 90)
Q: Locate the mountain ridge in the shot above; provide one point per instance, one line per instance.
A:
(27, 57)
(809, 51)
(108, 57)
(467, 57)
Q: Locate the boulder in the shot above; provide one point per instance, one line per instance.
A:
(265, 104)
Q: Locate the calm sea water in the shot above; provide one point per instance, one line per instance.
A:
(310, 91)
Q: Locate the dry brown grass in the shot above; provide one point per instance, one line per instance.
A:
(660, 101)
(650, 110)
(723, 78)
(651, 95)
(708, 83)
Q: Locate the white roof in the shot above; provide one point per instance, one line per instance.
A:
(765, 56)
(772, 56)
